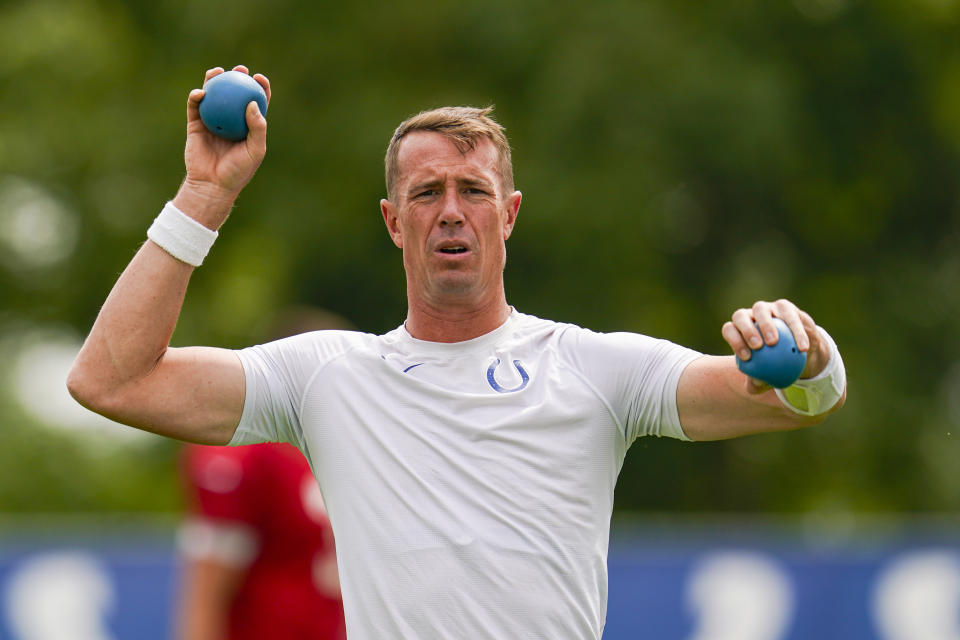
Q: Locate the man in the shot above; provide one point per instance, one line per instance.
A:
(468, 458)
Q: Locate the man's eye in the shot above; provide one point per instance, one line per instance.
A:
(476, 191)
(426, 193)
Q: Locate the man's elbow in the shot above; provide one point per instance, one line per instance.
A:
(79, 386)
(87, 387)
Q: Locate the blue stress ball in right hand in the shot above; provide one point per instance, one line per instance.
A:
(780, 365)
(223, 107)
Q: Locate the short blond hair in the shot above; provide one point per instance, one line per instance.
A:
(465, 126)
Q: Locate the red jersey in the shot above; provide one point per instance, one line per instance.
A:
(291, 590)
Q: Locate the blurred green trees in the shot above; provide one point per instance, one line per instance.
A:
(677, 161)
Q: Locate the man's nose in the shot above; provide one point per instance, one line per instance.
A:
(452, 212)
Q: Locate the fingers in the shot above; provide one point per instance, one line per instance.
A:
(193, 105)
(790, 314)
(211, 73)
(763, 316)
(809, 328)
(259, 77)
(257, 137)
(752, 328)
(818, 355)
(735, 339)
(743, 321)
(265, 83)
(196, 95)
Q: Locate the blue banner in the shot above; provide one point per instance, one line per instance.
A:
(674, 584)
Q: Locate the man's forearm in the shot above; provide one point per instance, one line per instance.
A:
(207, 204)
(134, 326)
(126, 371)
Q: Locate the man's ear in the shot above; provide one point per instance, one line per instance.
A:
(513, 208)
(391, 219)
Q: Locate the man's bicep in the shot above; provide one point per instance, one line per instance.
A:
(714, 403)
(194, 394)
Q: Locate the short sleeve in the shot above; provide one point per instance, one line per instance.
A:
(276, 375)
(636, 375)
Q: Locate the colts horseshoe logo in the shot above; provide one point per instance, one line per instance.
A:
(524, 377)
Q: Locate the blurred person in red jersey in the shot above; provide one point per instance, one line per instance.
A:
(256, 547)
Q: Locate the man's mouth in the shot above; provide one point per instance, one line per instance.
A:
(454, 249)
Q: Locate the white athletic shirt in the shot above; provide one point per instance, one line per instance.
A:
(470, 485)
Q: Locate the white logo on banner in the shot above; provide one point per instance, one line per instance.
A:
(60, 595)
(740, 595)
(917, 597)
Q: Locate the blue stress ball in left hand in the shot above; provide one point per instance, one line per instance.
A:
(778, 365)
(223, 107)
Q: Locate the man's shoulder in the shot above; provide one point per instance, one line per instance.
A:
(525, 322)
(530, 327)
(324, 344)
(340, 337)
(574, 339)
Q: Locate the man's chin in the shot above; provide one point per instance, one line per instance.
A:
(461, 288)
(457, 285)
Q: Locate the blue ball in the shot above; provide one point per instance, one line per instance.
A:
(780, 365)
(224, 106)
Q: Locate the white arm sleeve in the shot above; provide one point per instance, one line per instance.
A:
(817, 395)
(637, 376)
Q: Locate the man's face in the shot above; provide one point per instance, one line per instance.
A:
(451, 217)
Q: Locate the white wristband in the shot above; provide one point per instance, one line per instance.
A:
(817, 395)
(181, 236)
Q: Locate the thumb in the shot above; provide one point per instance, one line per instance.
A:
(756, 387)
(257, 124)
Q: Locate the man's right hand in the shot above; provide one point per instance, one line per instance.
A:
(218, 169)
(126, 369)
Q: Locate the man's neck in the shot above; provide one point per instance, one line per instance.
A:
(455, 323)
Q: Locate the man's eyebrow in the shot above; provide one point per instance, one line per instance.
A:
(424, 184)
(429, 183)
(475, 182)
